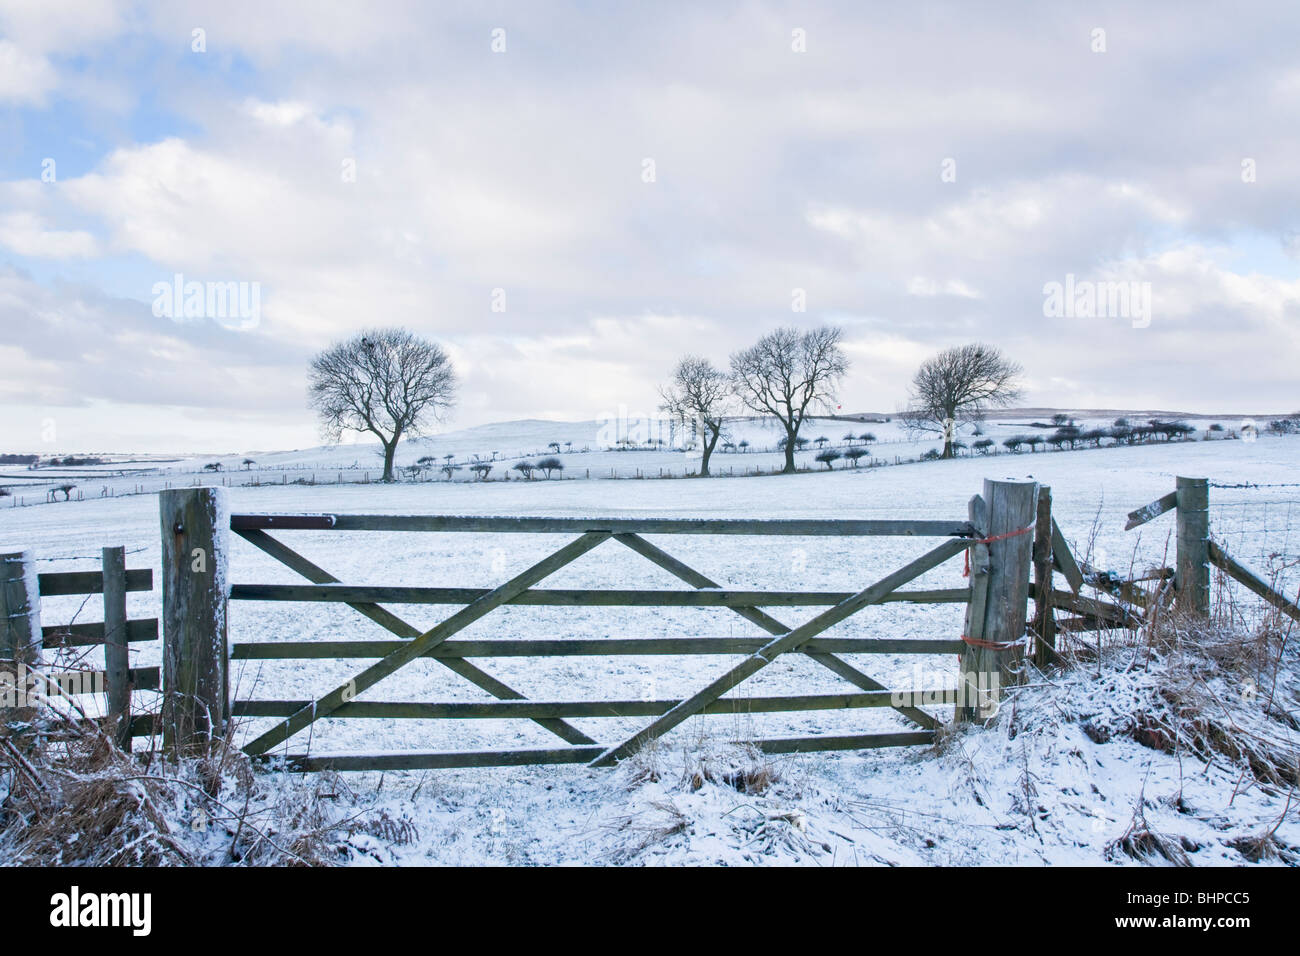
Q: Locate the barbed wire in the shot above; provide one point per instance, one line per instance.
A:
(1254, 484)
(88, 557)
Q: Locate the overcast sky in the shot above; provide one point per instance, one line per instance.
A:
(920, 171)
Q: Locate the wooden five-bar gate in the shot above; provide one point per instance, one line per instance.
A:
(998, 528)
(1008, 535)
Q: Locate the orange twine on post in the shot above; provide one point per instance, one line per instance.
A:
(997, 537)
(975, 641)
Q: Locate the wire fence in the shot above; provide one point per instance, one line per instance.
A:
(1260, 527)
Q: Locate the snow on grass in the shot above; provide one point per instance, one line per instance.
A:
(1042, 784)
(1034, 788)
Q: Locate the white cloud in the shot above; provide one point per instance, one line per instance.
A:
(277, 114)
(61, 26)
(1159, 208)
(776, 171)
(25, 78)
(1191, 279)
(28, 235)
(926, 287)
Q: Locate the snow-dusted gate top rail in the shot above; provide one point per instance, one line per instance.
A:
(999, 530)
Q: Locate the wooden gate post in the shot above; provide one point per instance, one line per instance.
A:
(1192, 572)
(117, 664)
(195, 533)
(20, 630)
(996, 624)
(1044, 626)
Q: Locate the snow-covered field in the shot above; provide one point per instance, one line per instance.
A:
(615, 447)
(1049, 795)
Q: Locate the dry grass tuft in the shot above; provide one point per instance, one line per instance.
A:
(383, 827)
(1265, 847)
(1228, 692)
(92, 804)
(742, 767)
(1143, 843)
(69, 796)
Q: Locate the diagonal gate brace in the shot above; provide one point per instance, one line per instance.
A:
(779, 645)
(395, 625)
(424, 642)
(840, 667)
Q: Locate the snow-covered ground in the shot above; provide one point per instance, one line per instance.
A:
(1051, 794)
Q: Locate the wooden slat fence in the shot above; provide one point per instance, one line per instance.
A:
(54, 656)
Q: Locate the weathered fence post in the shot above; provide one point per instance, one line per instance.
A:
(117, 665)
(1044, 626)
(195, 529)
(1192, 571)
(20, 631)
(996, 620)
(20, 608)
(970, 691)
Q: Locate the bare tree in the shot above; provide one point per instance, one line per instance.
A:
(958, 386)
(700, 393)
(548, 465)
(786, 373)
(388, 382)
(829, 457)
